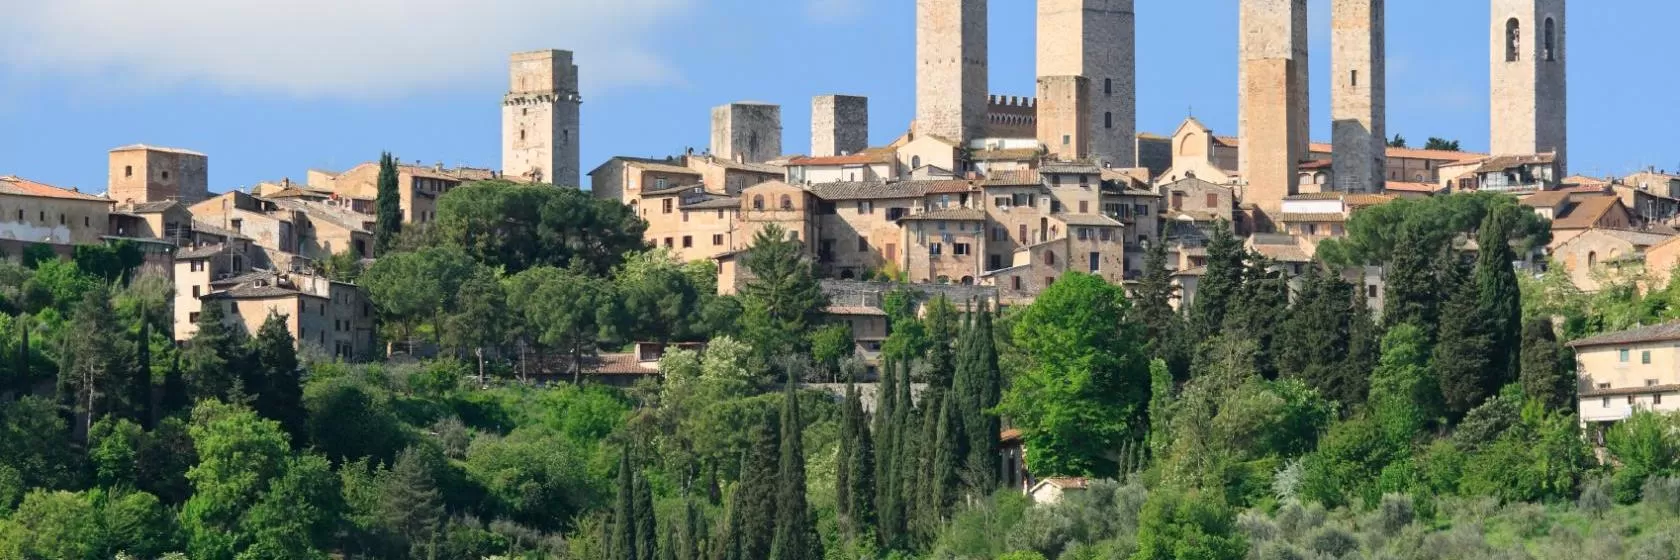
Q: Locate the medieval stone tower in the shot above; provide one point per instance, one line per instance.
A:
(951, 68)
(1095, 40)
(1357, 96)
(1273, 118)
(747, 131)
(1530, 110)
(540, 118)
(839, 125)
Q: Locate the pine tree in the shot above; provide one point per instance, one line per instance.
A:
(388, 205)
(1463, 347)
(95, 364)
(795, 534)
(275, 380)
(782, 300)
(1163, 325)
(1364, 348)
(623, 545)
(1261, 305)
(647, 537)
(1220, 285)
(1545, 377)
(410, 504)
(213, 356)
(1313, 341)
(142, 383)
(1499, 300)
(1412, 294)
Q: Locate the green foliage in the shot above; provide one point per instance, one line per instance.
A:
(276, 379)
(665, 299)
(96, 367)
(413, 290)
(1315, 341)
(1546, 374)
(1646, 444)
(213, 355)
(782, 298)
(251, 497)
(1464, 359)
(516, 226)
(388, 218)
(1177, 525)
(111, 262)
(977, 389)
(1498, 300)
(1384, 233)
(1220, 285)
(1435, 143)
(795, 537)
(829, 345)
(93, 525)
(565, 310)
(349, 418)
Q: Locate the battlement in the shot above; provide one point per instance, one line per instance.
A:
(994, 102)
(1009, 116)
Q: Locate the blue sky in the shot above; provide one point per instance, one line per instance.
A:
(269, 91)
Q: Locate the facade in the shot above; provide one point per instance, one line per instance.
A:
(747, 132)
(418, 187)
(1598, 256)
(1270, 135)
(333, 317)
(1094, 40)
(33, 212)
(839, 125)
(624, 178)
(1530, 97)
(951, 69)
(1271, 32)
(1621, 372)
(1358, 98)
(540, 134)
(141, 173)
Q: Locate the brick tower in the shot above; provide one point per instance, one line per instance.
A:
(1095, 40)
(1357, 96)
(1530, 102)
(951, 68)
(540, 118)
(1273, 119)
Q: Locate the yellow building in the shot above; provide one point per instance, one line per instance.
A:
(33, 212)
(1621, 372)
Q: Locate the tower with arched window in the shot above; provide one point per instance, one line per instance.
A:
(1358, 98)
(1529, 79)
(1095, 40)
(540, 118)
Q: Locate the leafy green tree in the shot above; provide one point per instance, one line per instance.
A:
(566, 310)
(113, 452)
(59, 284)
(1441, 144)
(1464, 349)
(96, 363)
(349, 419)
(662, 298)
(1088, 385)
(33, 441)
(162, 460)
(111, 262)
(343, 266)
(297, 514)
(1427, 227)
(1545, 375)
(1184, 525)
(1646, 444)
(250, 497)
(830, 344)
(782, 298)
(1313, 342)
(214, 355)
(1398, 142)
(388, 218)
(413, 291)
(477, 321)
(275, 381)
(517, 226)
(1219, 287)
(795, 536)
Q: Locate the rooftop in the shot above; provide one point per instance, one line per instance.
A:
(1654, 333)
(953, 214)
(14, 185)
(139, 147)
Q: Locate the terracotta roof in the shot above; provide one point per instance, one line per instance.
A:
(133, 147)
(679, 189)
(1408, 186)
(860, 158)
(855, 310)
(660, 166)
(1587, 212)
(1501, 163)
(952, 214)
(616, 364)
(1311, 217)
(14, 185)
(1314, 164)
(1005, 154)
(855, 190)
(714, 203)
(1283, 253)
(1620, 391)
(1545, 199)
(1088, 220)
(1023, 177)
(1639, 239)
(951, 187)
(765, 168)
(1653, 333)
(1070, 168)
(217, 230)
(1009, 435)
(152, 207)
(1316, 196)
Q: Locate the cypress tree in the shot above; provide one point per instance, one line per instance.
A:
(861, 466)
(1545, 377)
(886, 395)
(388, 205)
(1499, 300)
(691, 547)
(1313, 341)
(1220, 285)
(1162, 324)
(948, 456)
(214, 355)
(623, 545)
(1261, 305)
(142, 383)
(1463, 347)
(921, 487)
(941, 331)
(1364, 347)
(758, 491)
(175, 396)
(726, 542)
(981, 426)
(672, 540)
(647, 536)
(275, 380)
(1412, 293)
(23, 356)
(843, 462)
(796, 534)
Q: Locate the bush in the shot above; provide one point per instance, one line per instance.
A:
(1281, 551)
(1595, 497)
(1334, 542)
(1394, 514)
(1022, 555)
(1177, 524)
(1662, 493)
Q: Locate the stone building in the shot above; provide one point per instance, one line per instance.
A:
(747, 132)
(33, 212)
(141, 173)
(1270, 31)
(540, 134)
(951, 69)
(1595, 256)
(1358, 98)
(1624, 372)
(839, 125)
(1530, 97)
(418, 187)
(1094, 40)
(332, 317)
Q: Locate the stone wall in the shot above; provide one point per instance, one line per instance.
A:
(1095, 39)
(1268, 148)
(839, 125)
(1529, 94)
(1273, 29)
(1357, 95)
(951, 68)
(540, 134)
(142, 174)
(1064, 112)
(747, 132)
(869, 294)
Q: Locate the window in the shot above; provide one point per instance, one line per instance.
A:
(1631, 400)
(1048, 280)
(43, 216)
(1050, 257)
(936, 249)
(166, 175)
(666, 205)
(521, 134)
(941, 225)
(1371, 291)
(1084, 234)
(863, 244)
(688, 241)
(669, 242)
(915, 162)
(1622, 355)
(1055, 207)
(1084, 207)
(787, 202)
(720, 215)
(717, 239)
(894, 214)
(758, 202)
(892, 251)
(1513, 39)
(196, 289)
(233, 307)
(1015, 282)
(659, 183)
(866, 207)
(1108, 120)
(1312, 229)
(1066, 139)
(237, 225)
(1606, 402)
(959, 249)
(1551, 41)
(1000, 202)
(994, 262)
(192, 317)
(1355, 78)
(685, 215)
(128, 171)
(1106, 234)
(1645, 357)
(1023, 233)
(197, 266)
(1648, 383)
(1212, 200)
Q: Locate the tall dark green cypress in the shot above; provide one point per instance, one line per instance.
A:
(1364, 347)
(921, 487)
(1261, 305)
(886, 397)
(1154, 308)
(175, 397)
(726, 541)
(980, 426)
(647, 536)
(387, 204)
(1499, 299)
(275, 380)
(1220, 286)
(21, 369)
(142, 384)
(861, 466)
(1463, 347)
(1412, 293)
(843, 462)
(796, 532)
(759, 489)
(623, 545)
(941, 331)
(1312, 342)
(1546, 379)
(944, 477)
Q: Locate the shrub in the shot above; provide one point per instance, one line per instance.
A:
(1662, 493)
(1394, 514)
(1334, 542)
(1595, 497)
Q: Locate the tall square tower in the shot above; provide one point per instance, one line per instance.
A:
(1273, 30)
(1530, 97)
(951, 69)
(839, 125)
(1096, 40)
(748, 132)
(141, 173)
(540, 118)
(1358, 97)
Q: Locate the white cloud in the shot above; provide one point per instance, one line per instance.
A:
(833, 11)
(343, 48)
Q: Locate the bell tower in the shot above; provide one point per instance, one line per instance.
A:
(540, 118)
(1530, 97)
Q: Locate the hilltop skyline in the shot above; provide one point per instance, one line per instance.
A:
(651, 97)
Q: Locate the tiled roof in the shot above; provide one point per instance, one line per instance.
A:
(251, 276)
(1024, 177)
(1501, 163)
(1311, 217)
(855, 310)
(1089, 220)
(679, 189)
(1408, 186)
(1283, 253)
(1620, 391)
(952, 214)
(1314, 164)
(14, 185)
(217, 230)
(1067, 482)
(1005, 154)
(660, 166)
(1366, 199)
(199, 252)
(1653, 333)
(1316, 196)
(1638, 239)
(133, 147)
(1586, 213)
(1545, 199)
(331, 214)
(714, 203)
(244, 292)
(952, 186)
(153, 207)
(860, 158)
(766, 168)
(617, 364)
(1072, 168)
(870, 190)
(1193, 271)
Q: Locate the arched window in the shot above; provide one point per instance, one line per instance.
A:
(1551, 40)
(847, 274)
(787, 202)
(758, 202)
(1108, 86)
(1592, 259)
(915, 162)
(1513, 39)
(1108, 120)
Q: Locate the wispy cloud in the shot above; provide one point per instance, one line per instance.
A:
(332, 48)
(834, 11)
